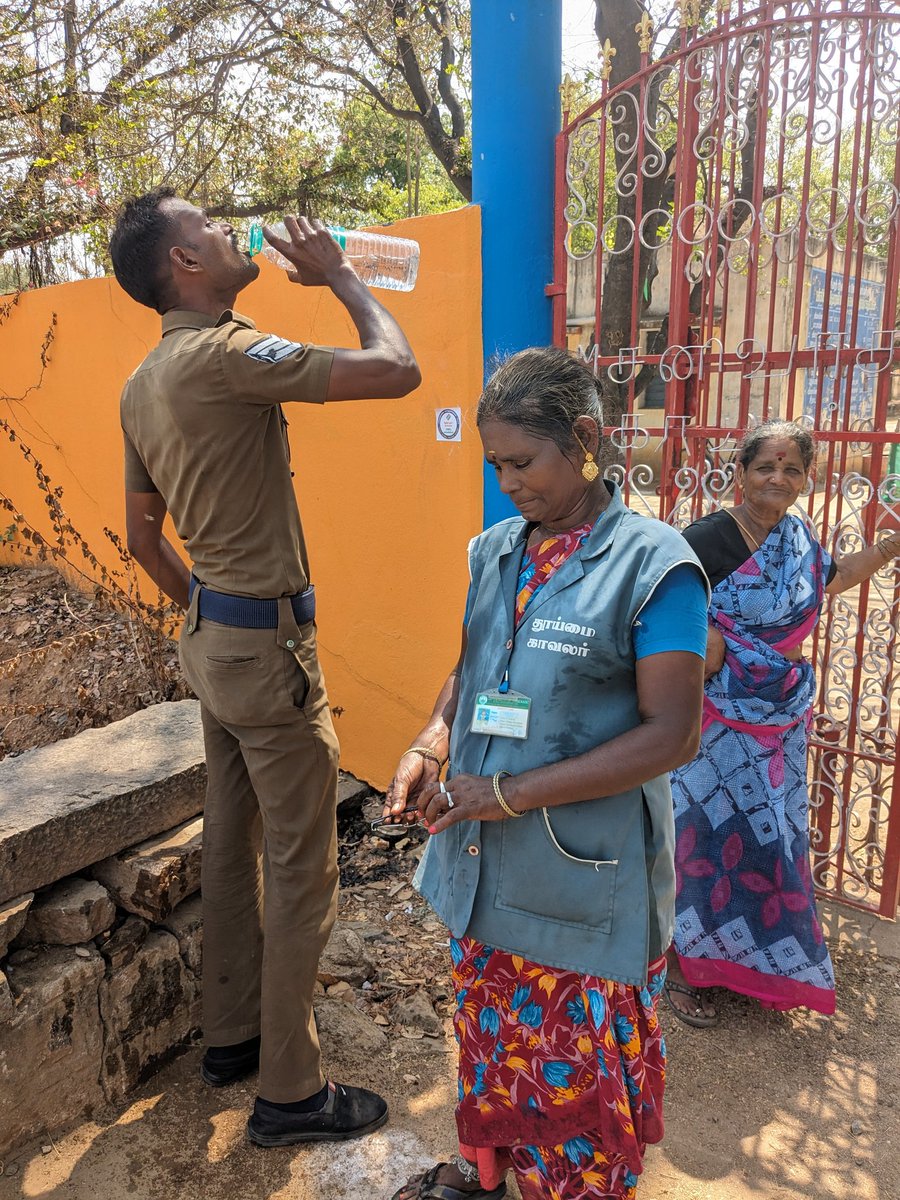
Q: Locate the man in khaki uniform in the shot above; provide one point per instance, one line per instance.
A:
(205, 440)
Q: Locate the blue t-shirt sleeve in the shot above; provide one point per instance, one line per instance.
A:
(674, 618)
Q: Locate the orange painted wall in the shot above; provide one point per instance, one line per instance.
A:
(387, 510)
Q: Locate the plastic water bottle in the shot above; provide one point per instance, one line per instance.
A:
(381, 261)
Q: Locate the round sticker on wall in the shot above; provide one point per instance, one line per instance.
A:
(448, 424)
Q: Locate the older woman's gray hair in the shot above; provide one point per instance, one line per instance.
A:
(753, 441)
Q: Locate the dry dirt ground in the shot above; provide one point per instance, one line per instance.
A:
(765, 1107)
(68, 661)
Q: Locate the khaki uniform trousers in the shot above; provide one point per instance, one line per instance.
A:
(269, 875)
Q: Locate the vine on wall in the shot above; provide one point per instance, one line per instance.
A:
(152, 624)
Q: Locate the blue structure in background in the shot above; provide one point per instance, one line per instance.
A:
(516, 65)
(866, 336)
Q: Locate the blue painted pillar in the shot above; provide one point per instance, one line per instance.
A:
(516, 65)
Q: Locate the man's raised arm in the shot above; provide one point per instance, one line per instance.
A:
(385, 365)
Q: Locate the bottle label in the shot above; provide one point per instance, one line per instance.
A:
(255, 239)
(339, 233)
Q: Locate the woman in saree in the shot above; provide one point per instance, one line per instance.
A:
(746, 913)
(578, 687)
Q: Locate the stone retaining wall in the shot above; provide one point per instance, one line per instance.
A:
(100, 927)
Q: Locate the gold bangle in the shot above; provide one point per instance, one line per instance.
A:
(510, 812)
(427, 753)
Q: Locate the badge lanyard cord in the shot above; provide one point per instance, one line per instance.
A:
(503, 689)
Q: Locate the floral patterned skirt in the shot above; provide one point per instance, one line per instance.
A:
(561, 1075)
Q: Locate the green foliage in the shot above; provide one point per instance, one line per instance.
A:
(247, 109)
(829, 201)
(386, 170)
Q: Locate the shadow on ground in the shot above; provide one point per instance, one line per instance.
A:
(792, 1105)
(180, 1139)
(767, 1106)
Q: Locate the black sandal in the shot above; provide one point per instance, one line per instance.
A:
(698, 1018)
(426, 1187)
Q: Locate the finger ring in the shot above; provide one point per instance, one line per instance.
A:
(443, 790)
(449, 799)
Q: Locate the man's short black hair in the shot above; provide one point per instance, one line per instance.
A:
(139, 248)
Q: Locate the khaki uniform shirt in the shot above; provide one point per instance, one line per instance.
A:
(203, 427)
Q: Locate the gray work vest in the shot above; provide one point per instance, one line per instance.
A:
(588, 887)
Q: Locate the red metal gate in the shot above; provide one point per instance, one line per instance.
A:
(727, 251)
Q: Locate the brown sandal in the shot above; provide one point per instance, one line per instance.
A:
(698, 1018)
(426, 1187)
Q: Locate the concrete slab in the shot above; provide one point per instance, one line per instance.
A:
(63, 807)
(124, 943)
(351, 793)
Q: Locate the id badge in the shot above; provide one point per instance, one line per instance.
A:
(501, 714)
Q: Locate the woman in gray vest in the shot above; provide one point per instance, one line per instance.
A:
(578, 689)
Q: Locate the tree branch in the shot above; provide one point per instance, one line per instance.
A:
(445, 79)
(153, 50)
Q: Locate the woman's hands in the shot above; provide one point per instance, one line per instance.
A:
(854, 569)
(402, 799)
(472, 799)
(417, 794)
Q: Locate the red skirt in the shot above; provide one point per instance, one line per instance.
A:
(557, 1070)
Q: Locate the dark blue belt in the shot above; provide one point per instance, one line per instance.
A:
(248, 613)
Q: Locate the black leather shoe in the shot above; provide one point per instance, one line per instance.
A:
(349, 1112)
(222, 1069)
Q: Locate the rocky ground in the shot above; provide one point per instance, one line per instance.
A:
(765, 1107)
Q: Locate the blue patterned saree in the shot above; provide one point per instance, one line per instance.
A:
(745, 910)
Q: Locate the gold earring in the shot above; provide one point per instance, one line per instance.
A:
(590, 470)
